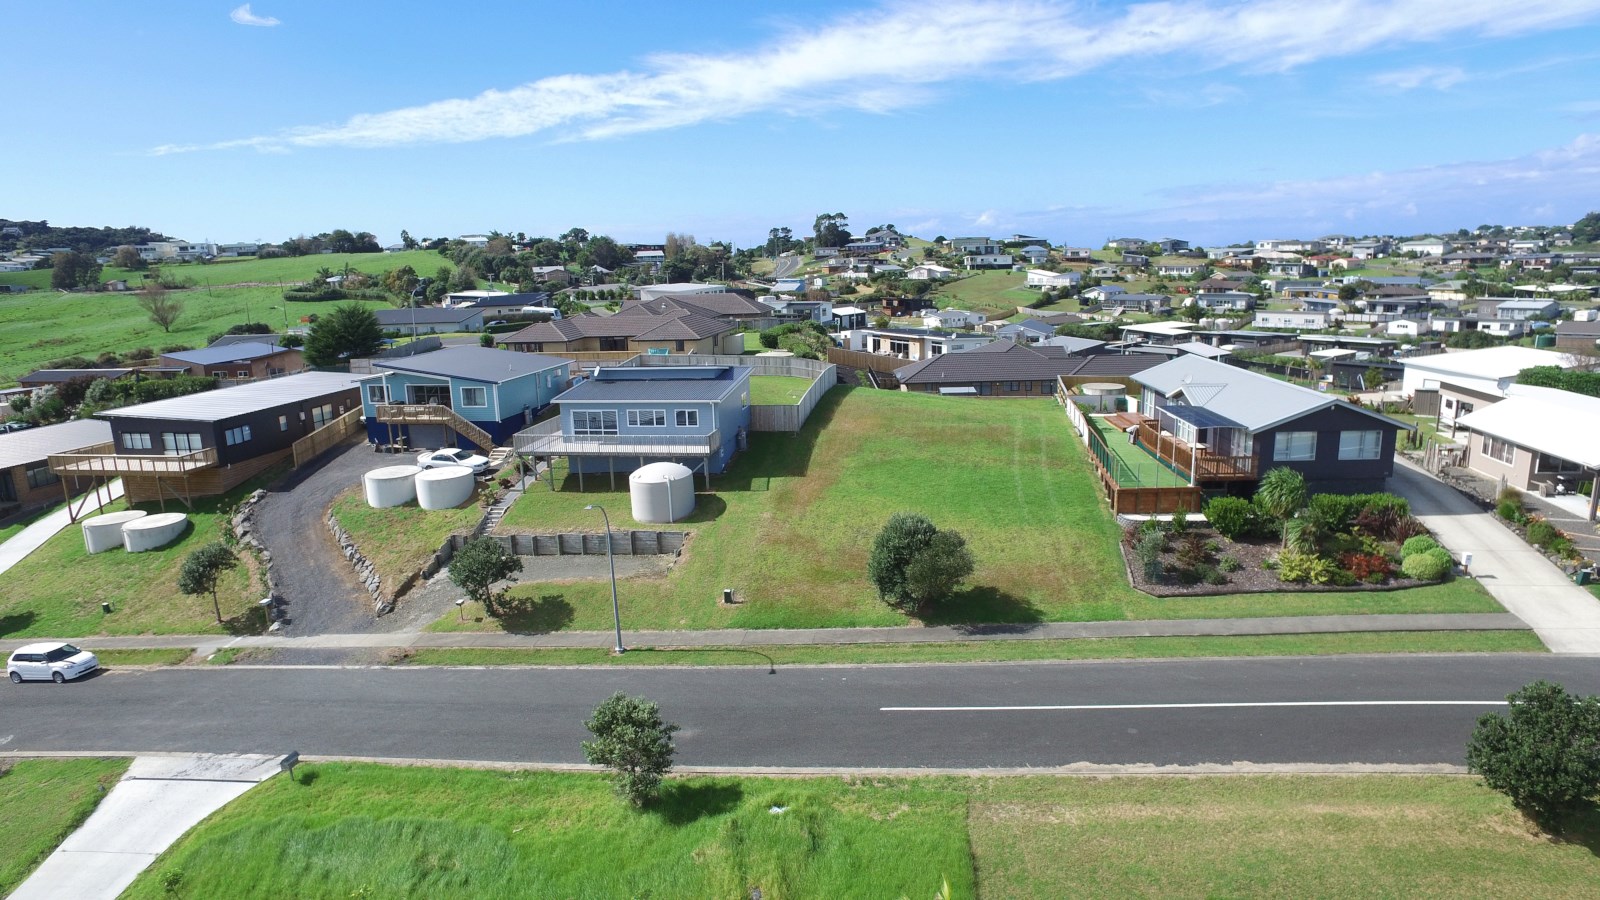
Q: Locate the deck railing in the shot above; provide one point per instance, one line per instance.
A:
(102, 459)
(1202, 466)
(547, 439)
(433, 414)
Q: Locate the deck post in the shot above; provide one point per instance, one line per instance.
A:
(611, 470)
(66, 497)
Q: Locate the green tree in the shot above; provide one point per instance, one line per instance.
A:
(400, 283)
(351, 330)
(1280, 495)
(407, 241)
(913, 564)
(127, 257)
(478, 565)
(634, 742)
(73, 270)
(1544, 753)
(202, 569)
(162, 308)
(831, 230)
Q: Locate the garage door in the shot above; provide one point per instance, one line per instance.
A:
(429, 437)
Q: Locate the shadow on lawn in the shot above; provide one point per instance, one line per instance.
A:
(1581, 829)
(16, 622)
(525, 615)
(681, 803)
(982, 609)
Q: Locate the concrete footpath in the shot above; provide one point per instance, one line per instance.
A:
(159, 799)
(1566, 617)
(210, 643)
(33, 537)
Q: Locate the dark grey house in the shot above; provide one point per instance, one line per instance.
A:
(1007, 369)
(1222, 423)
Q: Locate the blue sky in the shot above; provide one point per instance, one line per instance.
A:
(1210, 120)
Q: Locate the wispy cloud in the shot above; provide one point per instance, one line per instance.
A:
(906, 48)
(1440, 78)
(244, 16)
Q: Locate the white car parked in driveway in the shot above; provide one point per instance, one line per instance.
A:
(434, 459)
(56, 662)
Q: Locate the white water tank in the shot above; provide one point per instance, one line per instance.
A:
(661, 492)
(153, 532)
(102, 533)
(446, 487)
(391, 486)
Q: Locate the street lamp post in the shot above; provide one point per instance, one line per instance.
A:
(616, 613)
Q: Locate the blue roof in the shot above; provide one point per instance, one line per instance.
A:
(668, 384)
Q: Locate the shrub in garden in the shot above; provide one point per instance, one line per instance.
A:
(1230, 564)
(1430, 565)
(1407, 528)
(1192, 551)
(1336, 511)
(1305, 534)
(1303, 568)
(1148, 552)
(1232, 517)
(1511, 511)
(1281, 494)
(1180, 522)
(1419, 544)
(1542, 533)
(1380, 501)
(1373, 568)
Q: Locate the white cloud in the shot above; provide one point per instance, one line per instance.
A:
(906, 48)
(244, 16)
(1440, 78)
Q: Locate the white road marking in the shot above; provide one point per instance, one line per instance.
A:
(1091, 707)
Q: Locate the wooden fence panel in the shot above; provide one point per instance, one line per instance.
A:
(312, 445)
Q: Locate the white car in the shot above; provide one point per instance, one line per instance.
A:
(434, 459)
(56, 662)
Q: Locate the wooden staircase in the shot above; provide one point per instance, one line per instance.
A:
(434, 414)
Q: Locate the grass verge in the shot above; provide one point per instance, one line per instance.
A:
(145, 657)
(366, 830)
(41, 802)
(398, 539)
(999, 651)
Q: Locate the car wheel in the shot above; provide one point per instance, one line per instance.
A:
(58, 678)
(16, 677)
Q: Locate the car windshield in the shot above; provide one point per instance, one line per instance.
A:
(65, 651)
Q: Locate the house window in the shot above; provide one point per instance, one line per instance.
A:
(283, 423)
(647, 418)
(1495, 448)
(596, 422)
(39, 475)
(237, 435)
(1360, 444)
(899, 348)
(1011, 386)
(1295, 445)
(173, 444)
(474, 396)
(244, 373)
(133, 441)
(377, 393)
(1545, 464)
(321, 415)
(687, 418)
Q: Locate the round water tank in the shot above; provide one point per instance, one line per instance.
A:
(446, 487)
(661, 492)
(1103, 389)
(391, 486)
(102, 533)
(152, 532)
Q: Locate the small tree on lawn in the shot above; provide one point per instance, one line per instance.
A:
(1544, 753)
(914, 564)
(632, 741)
(201, 570)
(162, 308)
(478, 565)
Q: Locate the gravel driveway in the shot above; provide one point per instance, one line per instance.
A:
(317, 583)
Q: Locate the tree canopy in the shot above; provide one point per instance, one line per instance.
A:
(351, 330)
(913, 564)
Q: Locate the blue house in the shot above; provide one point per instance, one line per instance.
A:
(625, 416)
(475, 397)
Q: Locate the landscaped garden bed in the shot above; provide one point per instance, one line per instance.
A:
(1286, 540)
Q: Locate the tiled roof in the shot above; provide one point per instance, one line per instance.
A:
(1006, 361)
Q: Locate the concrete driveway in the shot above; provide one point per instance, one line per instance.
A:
(1565, 616)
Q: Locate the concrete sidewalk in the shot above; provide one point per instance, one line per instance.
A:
(159, 799)
(1566, 617)
(33, 537)
(210, 643)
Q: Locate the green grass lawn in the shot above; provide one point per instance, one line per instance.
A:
(43, 325)
(56, 591)
(777, 390)
(399, 539)
(360, 830)
(789, 527)
(41, 802)
(994, 292)
(1000, 651)
(369, 831)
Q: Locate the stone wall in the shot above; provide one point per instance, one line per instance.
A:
(365, 571)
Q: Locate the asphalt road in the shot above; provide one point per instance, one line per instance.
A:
(785, 266)
(809, 717)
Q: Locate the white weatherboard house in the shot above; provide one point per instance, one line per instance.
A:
(952, 318)
(1537, 439)
(1476, 370)
(1041, 278)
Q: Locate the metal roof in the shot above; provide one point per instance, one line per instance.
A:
(485, 364)
(665, 389)
(34, 444)
(1254, 401)
(224, 403)
(429, 316)
(1199, 416)
(226, 353)
(1555, 422)
(1490, 362)
(229, 339)
(1007, 361)
(58, 376)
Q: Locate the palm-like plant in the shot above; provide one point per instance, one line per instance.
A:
(1281, 494)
